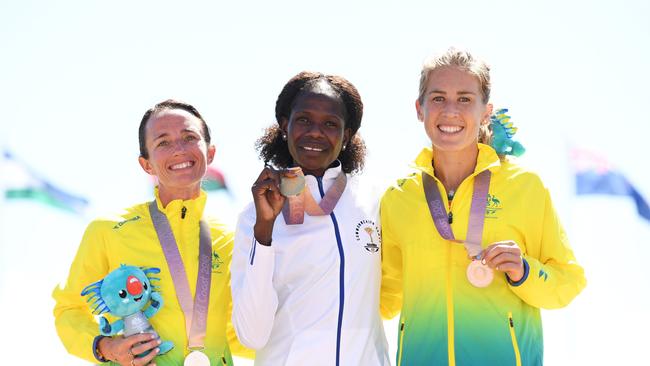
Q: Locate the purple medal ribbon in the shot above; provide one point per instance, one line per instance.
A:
(476, 213)
(196, 313)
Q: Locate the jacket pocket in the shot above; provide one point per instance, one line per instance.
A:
(400, 342)
(513, 336)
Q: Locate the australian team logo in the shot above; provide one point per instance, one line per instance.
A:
(493, 207)
(216, 262)
(368, 234)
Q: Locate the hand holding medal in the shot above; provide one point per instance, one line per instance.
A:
(505, 256)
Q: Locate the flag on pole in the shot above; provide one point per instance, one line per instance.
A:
(18, 181)
(595, 175)
(214, 180)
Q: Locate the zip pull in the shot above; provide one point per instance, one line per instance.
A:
(450, 217)
(183, 212)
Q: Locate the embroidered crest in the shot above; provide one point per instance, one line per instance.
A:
(216, 262)
(368, 235)
(493, 207)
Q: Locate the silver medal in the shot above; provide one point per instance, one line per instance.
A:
(292, 186)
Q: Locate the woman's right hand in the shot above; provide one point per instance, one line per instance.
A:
(124, 350)
(268, 203)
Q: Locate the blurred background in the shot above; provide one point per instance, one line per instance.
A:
(76, 77)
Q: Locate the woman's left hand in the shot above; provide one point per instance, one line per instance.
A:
(505, 256)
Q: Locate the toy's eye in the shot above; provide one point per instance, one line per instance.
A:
(145, 286)
(122, 293)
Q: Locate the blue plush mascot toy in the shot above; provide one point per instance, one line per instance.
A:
(124, 293)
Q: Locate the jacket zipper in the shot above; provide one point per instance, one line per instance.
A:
(339, 243)
(183, 212)
(401, 342)
(223, 359)
(511, 324)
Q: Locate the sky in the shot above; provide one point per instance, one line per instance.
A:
(76, 77)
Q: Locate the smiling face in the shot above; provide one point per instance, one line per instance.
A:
(126, 290)
(177, 153)
(453, 110)
(316, 128)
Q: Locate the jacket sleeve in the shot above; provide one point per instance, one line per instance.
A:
(255, 300)
(236, 348)
(553, 277)
(391, 267)
(74, 321)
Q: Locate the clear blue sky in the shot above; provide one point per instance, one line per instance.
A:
(76, 77)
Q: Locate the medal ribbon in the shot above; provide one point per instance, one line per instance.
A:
(295, 206)
(196, 314)
(476, 214)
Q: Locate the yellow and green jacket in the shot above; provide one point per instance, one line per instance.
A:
(444, 319)
(130, 238)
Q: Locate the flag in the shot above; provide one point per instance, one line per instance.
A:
(214, 180)
(20, 182)
(595, 175)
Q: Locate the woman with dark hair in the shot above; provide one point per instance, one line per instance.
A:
(306, 283)
(170, 233)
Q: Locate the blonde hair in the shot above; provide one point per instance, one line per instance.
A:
(466, 62)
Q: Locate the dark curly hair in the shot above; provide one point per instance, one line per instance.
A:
(165, 105)
(272, 148)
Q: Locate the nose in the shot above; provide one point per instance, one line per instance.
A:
(133, 285)
(179, 147)
(450, 110)
(314, 130)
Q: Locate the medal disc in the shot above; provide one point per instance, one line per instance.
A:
(479, 275)
(292, 186)
(196, 358)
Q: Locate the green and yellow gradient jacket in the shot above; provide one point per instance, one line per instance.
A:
(130, 238)
(444, 319)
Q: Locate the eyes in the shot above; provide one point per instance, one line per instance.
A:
(461, 99)
(122, 293)
(190, 137)
(304, 121)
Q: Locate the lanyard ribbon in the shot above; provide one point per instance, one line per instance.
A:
(295, 206)
(476, 213)
(196, 313)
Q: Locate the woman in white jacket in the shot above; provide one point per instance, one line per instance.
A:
(306, 283)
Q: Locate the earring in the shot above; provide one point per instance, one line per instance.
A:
(344, 146)
(284, 136)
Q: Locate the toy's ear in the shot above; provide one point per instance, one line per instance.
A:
(93, 287)
(148, 270)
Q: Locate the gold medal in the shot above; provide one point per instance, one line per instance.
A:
(196, 358)
(294, 184)
(478, 274)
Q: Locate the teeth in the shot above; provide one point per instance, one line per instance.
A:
(184, 165)
(450, 129)
(312, 148)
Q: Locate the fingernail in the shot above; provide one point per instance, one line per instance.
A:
(153, 336)
(159, 341)
(157, 350)
(483, 262)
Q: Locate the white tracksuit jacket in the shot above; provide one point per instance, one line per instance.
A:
(312, 297)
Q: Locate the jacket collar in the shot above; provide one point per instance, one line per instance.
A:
(328, 178)
(193, 207)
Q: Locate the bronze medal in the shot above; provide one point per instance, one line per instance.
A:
(479, 275)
